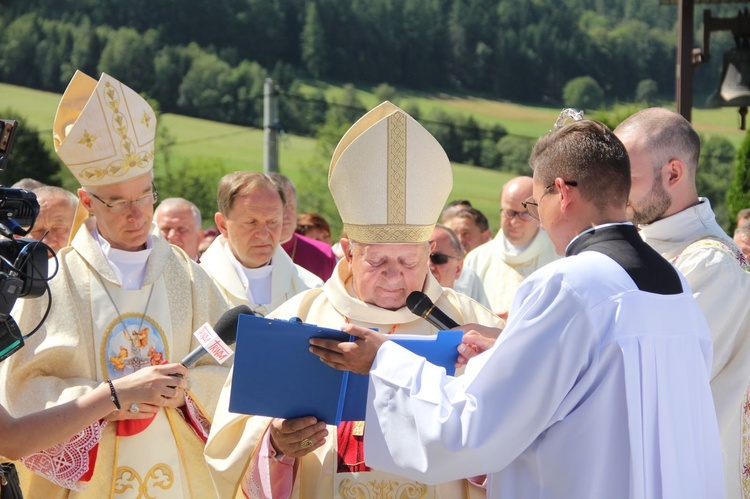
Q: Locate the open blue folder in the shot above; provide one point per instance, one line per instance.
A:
(276, 375)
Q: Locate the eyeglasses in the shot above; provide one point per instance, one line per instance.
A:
(521, 215)
(122, 206)
(532, 207)
(440, 258)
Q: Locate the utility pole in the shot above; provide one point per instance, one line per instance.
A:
(270, 127)
(685, 58)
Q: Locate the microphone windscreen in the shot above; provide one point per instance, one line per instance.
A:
(226, 326)
(419, 303)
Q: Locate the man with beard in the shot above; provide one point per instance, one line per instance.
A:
(664, 203)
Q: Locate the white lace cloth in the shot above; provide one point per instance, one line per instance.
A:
(64, 464)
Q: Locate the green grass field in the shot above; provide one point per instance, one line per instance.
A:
(241, 148)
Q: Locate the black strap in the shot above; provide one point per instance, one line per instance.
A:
(10, 486)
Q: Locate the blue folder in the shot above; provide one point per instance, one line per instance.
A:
(276, 375)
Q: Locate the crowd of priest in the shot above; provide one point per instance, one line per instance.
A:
(606, 326)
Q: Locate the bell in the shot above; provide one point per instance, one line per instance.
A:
(734, 89)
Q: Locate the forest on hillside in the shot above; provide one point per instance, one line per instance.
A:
(210, 59)
(192, 56)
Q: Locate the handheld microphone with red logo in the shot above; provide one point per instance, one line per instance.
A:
(421, 305)
(226, 329)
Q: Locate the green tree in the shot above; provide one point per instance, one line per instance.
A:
(615, 115)
(204, 86)
(714, 175)
(314, 51)
(129, 57)
(53, 52)
(385, 92)
(18, 43)
(583, 93)
(29, 158)
(738, 195)
(84, 54)
(190, 180)
(515, 152)
(346, 109)
(313, 194)
(646, 91)
(171, 64)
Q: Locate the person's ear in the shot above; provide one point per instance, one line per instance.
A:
(221, 223)
(459, 268)
(86, 200)
(346, 247)
(675, 171)
(566, 192)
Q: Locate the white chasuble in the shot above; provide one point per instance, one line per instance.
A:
(232, 448)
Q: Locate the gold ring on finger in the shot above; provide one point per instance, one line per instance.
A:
(306, 443)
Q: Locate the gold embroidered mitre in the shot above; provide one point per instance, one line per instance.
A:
(104, 131)
(389, 178)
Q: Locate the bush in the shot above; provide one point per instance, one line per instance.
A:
(195, 180)
(583, 93)
(515, 152)
(646, 91)
(29, 158)
(738, 196)
(714, 175)
(385, 92)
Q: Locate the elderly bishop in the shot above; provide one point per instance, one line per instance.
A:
(389, 178)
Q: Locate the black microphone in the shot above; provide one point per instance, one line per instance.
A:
(226, 329)
(421, 305)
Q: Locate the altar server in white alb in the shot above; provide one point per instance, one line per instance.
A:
(124, 299)
(598, 386)
(389, 178)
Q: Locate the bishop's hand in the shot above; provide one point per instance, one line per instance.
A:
(356, 356)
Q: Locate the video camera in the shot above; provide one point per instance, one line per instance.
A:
(23, 262)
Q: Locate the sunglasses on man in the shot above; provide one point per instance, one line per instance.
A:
(440, 258)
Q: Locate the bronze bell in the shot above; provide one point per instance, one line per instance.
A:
(734, 89)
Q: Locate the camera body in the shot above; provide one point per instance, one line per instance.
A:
(23, 262)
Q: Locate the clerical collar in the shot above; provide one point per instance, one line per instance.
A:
(129, 266)
(591, 231)
(246, 273)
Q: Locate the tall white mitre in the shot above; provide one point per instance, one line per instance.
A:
(104, 131)
(389, 178)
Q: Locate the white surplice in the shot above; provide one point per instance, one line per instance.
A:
(595, 389)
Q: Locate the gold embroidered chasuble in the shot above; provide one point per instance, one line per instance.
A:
(84, 341)
(234, 438)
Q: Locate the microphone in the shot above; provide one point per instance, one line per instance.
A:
(226, 329)
(421, 305)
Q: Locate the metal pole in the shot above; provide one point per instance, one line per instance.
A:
(270, 127)
(685, 58)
